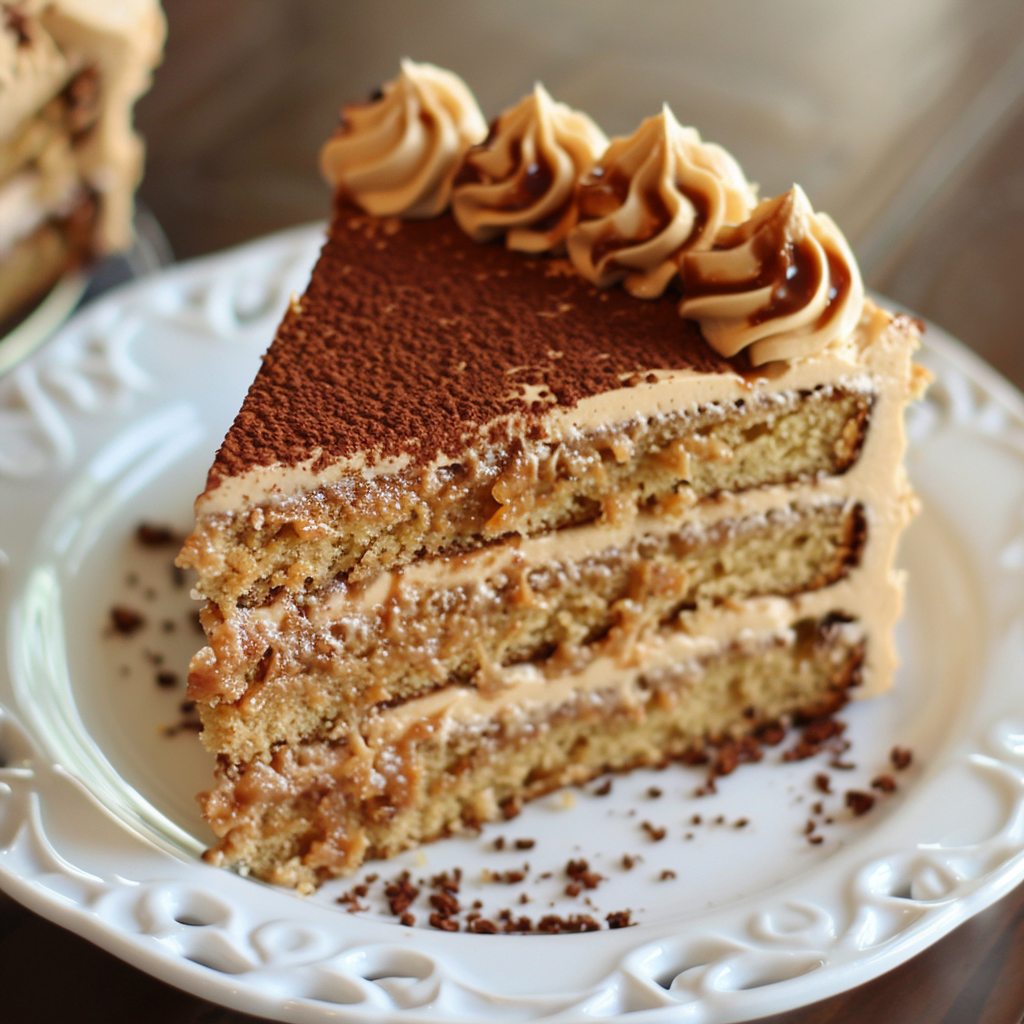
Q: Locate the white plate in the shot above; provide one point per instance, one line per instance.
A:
(115, 423)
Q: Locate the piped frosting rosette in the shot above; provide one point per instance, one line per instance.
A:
(653, 196)
(521, 182)
(397, 155)
(780, 286)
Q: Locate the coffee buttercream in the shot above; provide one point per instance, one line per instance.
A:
(396, 155)
(653, 196)
(780, 286)
(522, 180)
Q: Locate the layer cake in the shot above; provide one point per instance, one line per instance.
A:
(573, 457)
(70, 71)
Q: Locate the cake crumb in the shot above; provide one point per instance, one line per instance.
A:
(772, 734)
(581, 875)
(813, 739)
(656, 832)
(815, 840)
(667, 875)
(604, 789)
(125, 620)
(901, 758)
(444, 924)
(525, 844)
(400, 894)
(166, 679)
(653, 792)
(823, 783)
(859, 802)
(151, 536)
(884, 783)
(620, 919)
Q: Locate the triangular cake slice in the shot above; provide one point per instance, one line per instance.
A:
(572, 458)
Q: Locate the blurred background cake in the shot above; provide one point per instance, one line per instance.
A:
(70, 72)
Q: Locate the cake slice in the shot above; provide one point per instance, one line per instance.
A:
(70, 71)
(488, 523)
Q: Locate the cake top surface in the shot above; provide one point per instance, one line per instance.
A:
(411, 337)
(423, 328)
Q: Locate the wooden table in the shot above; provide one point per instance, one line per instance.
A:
(248, 91)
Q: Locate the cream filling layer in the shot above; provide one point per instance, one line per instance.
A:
(529, 692)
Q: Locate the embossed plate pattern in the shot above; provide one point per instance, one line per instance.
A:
(115, 422)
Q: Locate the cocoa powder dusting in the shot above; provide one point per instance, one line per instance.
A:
(402, 350)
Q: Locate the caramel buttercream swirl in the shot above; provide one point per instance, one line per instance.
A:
(396, 155)
(653, 196)
(781, 286)
(522, 180)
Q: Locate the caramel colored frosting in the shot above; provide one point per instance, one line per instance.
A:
(522, 180)
(396, 155)
(780, 286)
(652, 197)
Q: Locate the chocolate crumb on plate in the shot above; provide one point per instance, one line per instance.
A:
(822, 782)
(604, 789)
(525, 844)
(666, 875)
(656, 832)
(449, 883)
(813, 738)
(553, 924)
(166, 679)
(444, 924)
(859, 802)
(901, 758)
(125, 620)
(151, 536)
(505, 877)
(620, 919)
(884, 783)
(400, 894)
(580, 873)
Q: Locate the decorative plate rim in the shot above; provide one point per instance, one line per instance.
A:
(264, 952)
